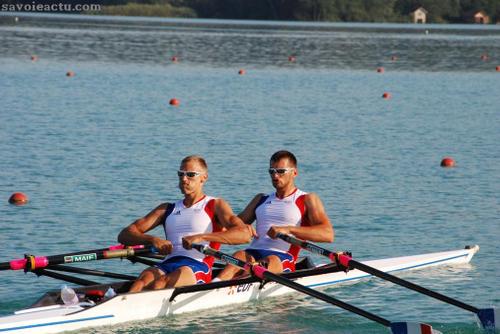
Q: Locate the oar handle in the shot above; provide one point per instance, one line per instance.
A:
(222, 256)
(333, 256)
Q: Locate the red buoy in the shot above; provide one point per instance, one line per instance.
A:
(292, 59)
(380, 70)
(70, 74)
(174, 102)
(242, 72)
(394, 58)
(484, 57)
(497, 68)
(175, 59)
(34, 58)
(386, 95)
(447, 162)
(18, 199)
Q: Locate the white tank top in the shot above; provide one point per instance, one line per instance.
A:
(181, 221)
(271, 210)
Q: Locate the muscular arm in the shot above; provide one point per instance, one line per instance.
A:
(135, 233)
(320, 230)
(248, 214)
(235, 231)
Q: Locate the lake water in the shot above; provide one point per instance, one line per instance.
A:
(100, 149)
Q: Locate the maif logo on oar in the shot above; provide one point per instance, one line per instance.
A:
(80, 258)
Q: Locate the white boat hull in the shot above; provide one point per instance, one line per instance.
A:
(152, 304)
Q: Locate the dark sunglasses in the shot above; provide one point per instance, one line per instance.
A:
(279, 171)
(189, 174)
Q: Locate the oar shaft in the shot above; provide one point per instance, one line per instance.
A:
(347, 261)
(37, 262)
(396, 280)
(326, 298)
(263, 273)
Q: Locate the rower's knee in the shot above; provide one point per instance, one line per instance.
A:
(144, 280)
(274, 264)
(160, 283)
(240, 255)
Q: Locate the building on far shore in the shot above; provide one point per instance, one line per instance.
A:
(419, 15)
(478, 16)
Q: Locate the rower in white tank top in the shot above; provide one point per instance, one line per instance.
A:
(271, 210)
(181, 221)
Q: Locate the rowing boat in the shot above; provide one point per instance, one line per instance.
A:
(50, 315)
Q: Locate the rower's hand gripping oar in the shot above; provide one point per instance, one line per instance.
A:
(30, 262)
(262, 273)
(489, 317)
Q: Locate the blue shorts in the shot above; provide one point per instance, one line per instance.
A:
(286, 258)
(200, 269)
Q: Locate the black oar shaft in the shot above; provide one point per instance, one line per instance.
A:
(375, 272)
(411, 286)
(91, 272)
(255, 269)
(66, 278)
(326, 298)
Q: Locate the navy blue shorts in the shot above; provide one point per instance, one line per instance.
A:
(200, 269)
(286, 258)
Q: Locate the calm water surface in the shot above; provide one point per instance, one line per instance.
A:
(98, 150)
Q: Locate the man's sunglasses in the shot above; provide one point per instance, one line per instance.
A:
(189, 174)
(279, 171)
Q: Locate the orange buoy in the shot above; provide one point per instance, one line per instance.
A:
(380, 70)
(292, 59)
(242, 72)
(18, 199)
(386, 95)
(70, 74)
(34, 58)
(447, 162)
(174, 102)
(497, 68)
(175, 59)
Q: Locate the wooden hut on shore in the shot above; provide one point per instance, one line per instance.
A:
(419, 15)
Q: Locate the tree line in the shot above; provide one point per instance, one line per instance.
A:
(439, 11)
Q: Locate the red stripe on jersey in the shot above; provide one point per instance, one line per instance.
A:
(304, 221)
(209, 260)
(425, 329)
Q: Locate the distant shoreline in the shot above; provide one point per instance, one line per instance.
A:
(442, 12)
(408, 27)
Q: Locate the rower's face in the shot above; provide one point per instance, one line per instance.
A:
(192, 183)
(287, 176)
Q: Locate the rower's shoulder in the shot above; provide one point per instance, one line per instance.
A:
(311, 198)
(164, 207)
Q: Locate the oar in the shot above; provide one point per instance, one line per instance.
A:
(30, 262)
(264, 274)
(486, 316)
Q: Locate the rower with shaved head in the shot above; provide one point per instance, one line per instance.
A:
(195, 218)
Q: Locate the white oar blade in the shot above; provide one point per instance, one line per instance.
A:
(412, 328)
(489, 318)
